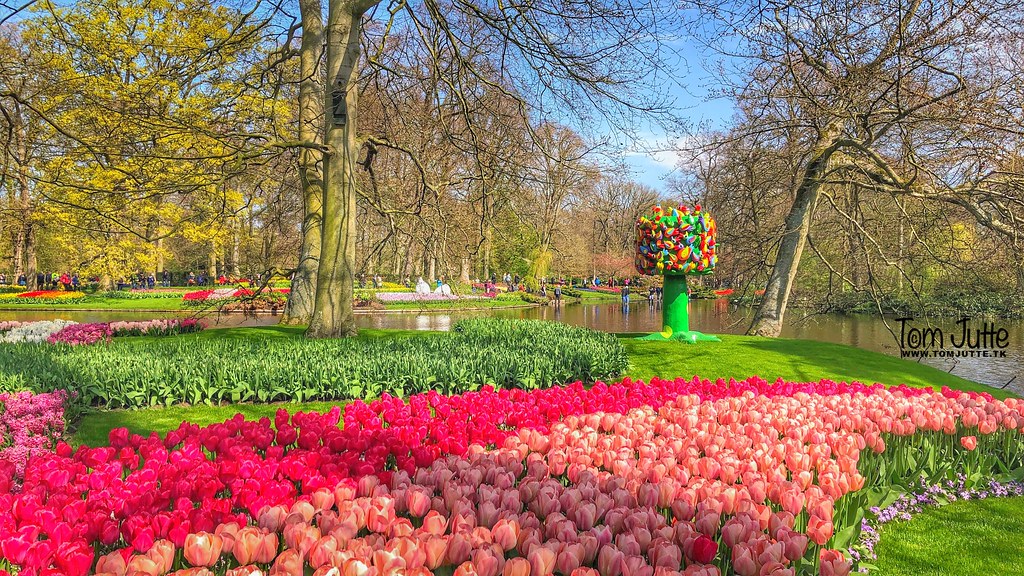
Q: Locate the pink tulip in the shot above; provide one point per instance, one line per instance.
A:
(436, 550)
(609, 561)
(542, 561)
(162, 554)
(820, 531)
(833, 563)
(203, 549)
(516, 567)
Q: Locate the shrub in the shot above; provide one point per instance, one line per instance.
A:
(501, 353)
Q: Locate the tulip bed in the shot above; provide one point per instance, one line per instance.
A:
(29, 424)
(42, 297)
(132, 374)
(669, 477)
(79, 334)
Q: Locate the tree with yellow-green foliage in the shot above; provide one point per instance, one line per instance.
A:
(154, 125)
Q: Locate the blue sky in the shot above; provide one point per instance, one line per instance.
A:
(653, 158)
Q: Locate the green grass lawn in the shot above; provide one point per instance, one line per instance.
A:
(973, 538)
(601, 297)
(796, 360)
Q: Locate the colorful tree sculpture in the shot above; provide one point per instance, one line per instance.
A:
(675, 243)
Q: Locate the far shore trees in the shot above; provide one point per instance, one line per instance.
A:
(847, 103)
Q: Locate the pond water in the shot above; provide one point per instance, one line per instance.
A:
(711, 316)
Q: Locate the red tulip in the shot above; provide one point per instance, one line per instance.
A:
(704, 550)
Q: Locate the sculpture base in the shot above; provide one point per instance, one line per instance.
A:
(687, 336)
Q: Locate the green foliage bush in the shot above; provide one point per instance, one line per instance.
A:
(568, 292)
(479, 352)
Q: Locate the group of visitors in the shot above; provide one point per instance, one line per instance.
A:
(138, 281)
(44, 281)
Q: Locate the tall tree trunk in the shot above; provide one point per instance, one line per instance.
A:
(299, 309)
(332, 313)
(768, 319)
(851, 240)
(464, 270)
(27, 233)
(212, 269)
(30, 255)
(488, 248)
(18, 258)
(235, 268)
(159, 257)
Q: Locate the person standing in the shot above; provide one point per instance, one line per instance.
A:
(558, 293)
(165, 278)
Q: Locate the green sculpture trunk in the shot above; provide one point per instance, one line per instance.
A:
(675, 314)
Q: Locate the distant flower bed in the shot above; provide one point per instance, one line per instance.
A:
(73, 333)
(91, 333)
(604, 289)
(412, 297)
(52, 294)
(34, 332)
(42, 297)
(141, 294)
(389, 287)
(200, 297)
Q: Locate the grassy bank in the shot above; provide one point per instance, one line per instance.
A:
(968, 538)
